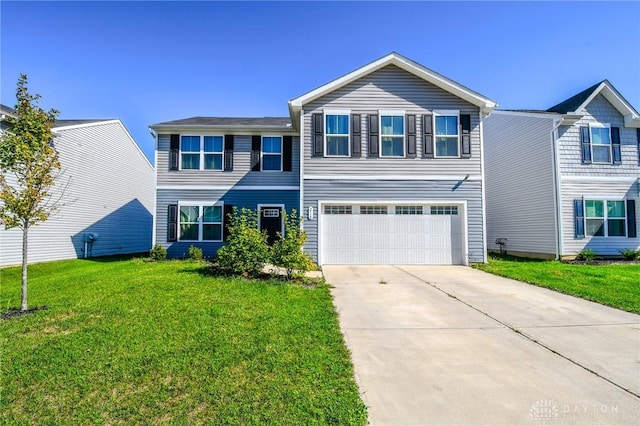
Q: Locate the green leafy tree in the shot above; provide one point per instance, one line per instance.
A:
(287, 250)
(28, 168)
(246, 251)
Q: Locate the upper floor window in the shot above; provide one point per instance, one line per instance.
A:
(600, 143)
(336, 134)
(201, 152)
(200, 223)
(605, 218)
(272, 153)
(391, 135)
(447, 134)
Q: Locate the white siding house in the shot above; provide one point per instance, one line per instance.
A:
(106, 186)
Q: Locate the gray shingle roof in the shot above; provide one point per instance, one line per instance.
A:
(575, 101)
(60, 123)
(230, 122)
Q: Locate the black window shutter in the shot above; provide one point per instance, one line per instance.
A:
(172, 226)
(228, 153)
(256, 149)
(631, 219)
(174, 152)
(427, 138)
(585, 141)
(226, 220)
(615, 145)
(373, 135)
(578, 213)
(465, 135)
(318, 136)
(411, 135)
(356, 136)
(287, 153)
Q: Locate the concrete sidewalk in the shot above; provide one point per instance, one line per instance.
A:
(453, 345)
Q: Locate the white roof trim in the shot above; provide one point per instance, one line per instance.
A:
(81, 125)
(631, 116)
(485, 104)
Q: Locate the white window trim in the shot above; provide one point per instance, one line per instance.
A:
(604, 200)
(394, 113)
(271, 154)
(591, 144)
(445, 113)
(348, 135)
(201, 152)
(200, 205)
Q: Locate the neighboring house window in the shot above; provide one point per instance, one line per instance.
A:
(200, 223)
(444, 210)
(447, 137)
(338, 210)
(201, 152)
(408, 209)
(213, 148)
(605, 218)
(391, 135)
(600, 143)
(336, 134)
(272, 153)
(190, 152)
(373, 209)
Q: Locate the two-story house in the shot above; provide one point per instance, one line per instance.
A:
(565, 179)
(385, 164)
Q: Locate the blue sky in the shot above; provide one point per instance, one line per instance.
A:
(148, 62)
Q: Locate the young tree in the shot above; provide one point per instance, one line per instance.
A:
(28, 168)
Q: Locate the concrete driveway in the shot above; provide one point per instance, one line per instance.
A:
(453, 345)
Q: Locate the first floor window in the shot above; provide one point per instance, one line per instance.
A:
(337, 135)
(446, 135)
(200, 223)
(600, 143)
(605, 218)
(392, 135)
(272, 153)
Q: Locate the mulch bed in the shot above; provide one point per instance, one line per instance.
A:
(603, 262)
(16, 312)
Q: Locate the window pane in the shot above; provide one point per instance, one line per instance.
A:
(337, 124)
(190, 143)
(601, 154)
(213, 161)
(616, 228)
(188, 231)
(595, 227)
(446, 125)
(271, 162)
(392, 147)
(373, 209)
(600, 136)
(271, 144)
(189, 213)
(594, 208)
(213, 144)
(446, 146)
(392, 124)
(615, 209)
(337, 209)
(212, 214)
(212, 232)
(191, 161)
(337, 145)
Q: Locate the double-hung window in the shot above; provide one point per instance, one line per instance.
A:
(200, 222)
(605, 218)
(272, 153)
(447, 133)
(600, 143)
(391, 134)
(201, 152)
(336, 134)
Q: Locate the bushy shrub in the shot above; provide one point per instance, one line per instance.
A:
(195, 253)
(586, 255)
(287, 250)
(630, 254)
(246, 251)
(158, 253)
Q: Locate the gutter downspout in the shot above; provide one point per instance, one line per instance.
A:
(154, 134)
(557, 188)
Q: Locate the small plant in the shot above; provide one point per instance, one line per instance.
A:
(382, 281)
(586, 255)
(287, 250)
(195, 253)
(158, 253)
(246, 251)
(630, 254)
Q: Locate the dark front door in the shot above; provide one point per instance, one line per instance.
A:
(271, 221)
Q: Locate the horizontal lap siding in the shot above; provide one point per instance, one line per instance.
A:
(241, 174)
(238, 198)
(519, 183)
(391, 88)
(388, 191)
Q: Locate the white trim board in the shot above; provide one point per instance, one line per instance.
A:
(229, 187)
(394, 177)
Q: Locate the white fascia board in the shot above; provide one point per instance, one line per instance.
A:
(228, 187)
(632, 121)
(80, 126)
(229, 130)
(549, 115)
(615, 99)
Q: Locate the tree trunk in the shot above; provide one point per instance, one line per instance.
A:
(25, 231)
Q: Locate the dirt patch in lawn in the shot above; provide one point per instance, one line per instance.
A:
(16, 312)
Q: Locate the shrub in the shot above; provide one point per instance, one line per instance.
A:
(630, 254)
(195, 253)
(287, 250)
(158, 253)
(586, 255)
(246, 251)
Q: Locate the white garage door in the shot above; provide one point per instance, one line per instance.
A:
(417, 234)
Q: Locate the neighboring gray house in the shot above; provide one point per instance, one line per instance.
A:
(565, 179)
(390, 170)
(106, 188)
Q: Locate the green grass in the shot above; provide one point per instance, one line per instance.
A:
(615, 285)
(129, 342)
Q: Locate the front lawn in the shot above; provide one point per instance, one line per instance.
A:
(616, 285)
(129, 342)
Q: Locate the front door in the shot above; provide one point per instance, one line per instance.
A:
(271, 221)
